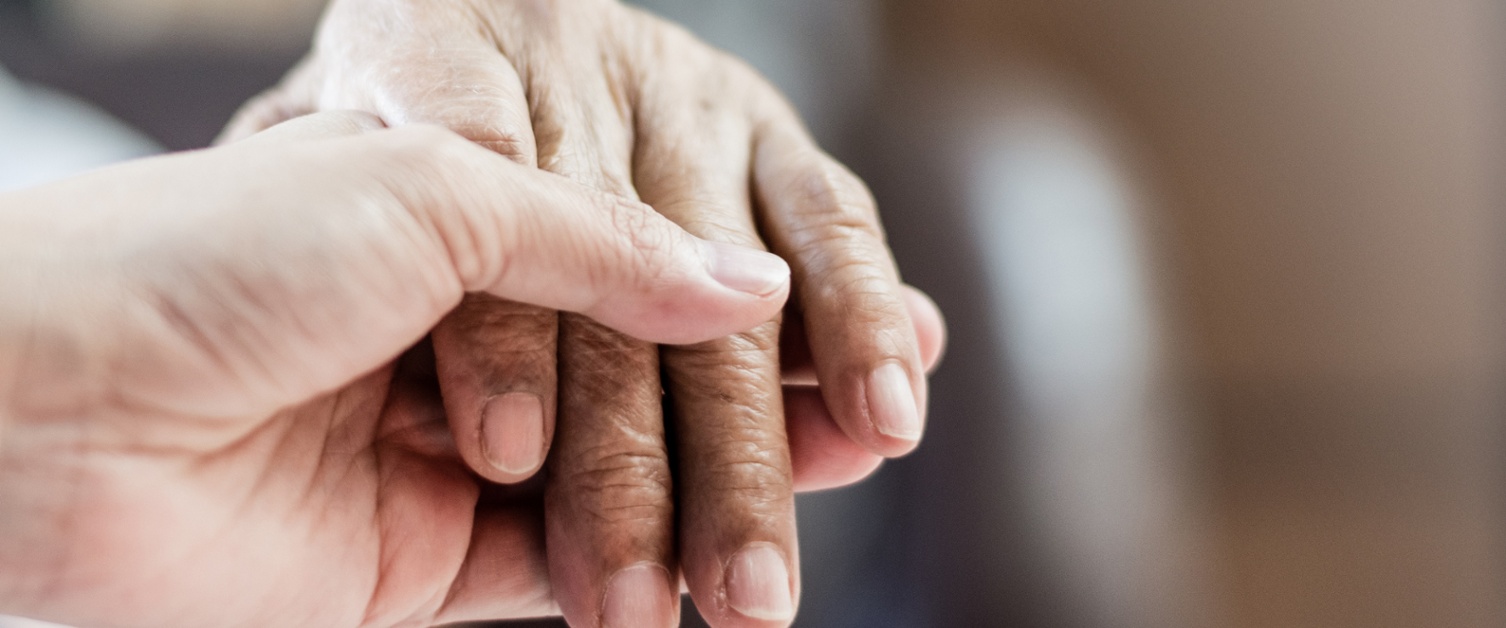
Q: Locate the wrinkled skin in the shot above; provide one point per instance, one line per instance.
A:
(628, 104)
(204, 416)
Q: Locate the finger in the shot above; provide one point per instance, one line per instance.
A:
(504, 575)
(291, 98)
(496, 358)
(822, 455)
(738, 544)
(930, 326)
(496, 363)
(478, 96)
(609, 497)
(799, 368)
(821, 218)
(532, 237)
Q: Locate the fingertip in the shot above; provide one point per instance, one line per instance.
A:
(724, 290)
(746, 270)
(496, 366)
(640, 595)
(512, 435)
(759, 585)
(893, 410)
(752, 288)
(874, 387)
(930, 325)
(685, 319)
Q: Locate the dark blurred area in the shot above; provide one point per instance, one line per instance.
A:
(179, 93)
(1223, 282)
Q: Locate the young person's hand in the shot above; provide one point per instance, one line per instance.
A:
(204, 417)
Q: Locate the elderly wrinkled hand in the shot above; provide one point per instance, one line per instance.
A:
(628, 104)
(204, 417)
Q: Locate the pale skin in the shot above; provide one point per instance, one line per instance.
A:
(206, 417)
(212, 411)
(630, 105)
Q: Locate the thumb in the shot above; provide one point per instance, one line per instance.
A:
(530, 236)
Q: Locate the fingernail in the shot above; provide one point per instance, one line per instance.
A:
(891, 403)
(746, 270)
(512, 433)
(639, 596)
(758, 584)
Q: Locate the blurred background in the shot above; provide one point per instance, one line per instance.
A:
(1223, 280)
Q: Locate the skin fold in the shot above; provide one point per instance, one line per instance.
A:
(630, 105)
(210, 414)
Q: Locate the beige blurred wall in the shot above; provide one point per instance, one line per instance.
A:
(129, 25)
(1328, 172)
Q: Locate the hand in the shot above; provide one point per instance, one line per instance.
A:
(628, 104)
(204, 420)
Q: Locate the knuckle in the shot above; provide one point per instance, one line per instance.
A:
(606, 369)
(528, 347)
(856, 277)
(614, 484)
(504, 142)
(755, 475)
(596, 344)
(482, 318)
(832, 196)
(750, 349)
(864, 293)
(736, 377)
(840, 257)
(611, 462)
(714, 228)
(834, 242)
(485, 115)
(513, 150)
